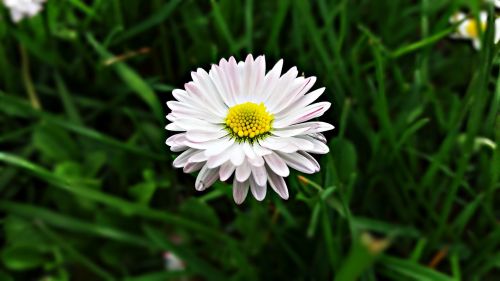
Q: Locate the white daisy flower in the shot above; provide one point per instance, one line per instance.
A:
(238, 119)
(20, 9)
(496, 3)
(468, 28)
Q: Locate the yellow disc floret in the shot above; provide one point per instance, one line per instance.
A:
(472, 29)
(249, 121)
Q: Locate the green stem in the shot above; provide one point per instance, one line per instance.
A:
(28, 83)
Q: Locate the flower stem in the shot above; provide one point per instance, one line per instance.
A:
(28, 83)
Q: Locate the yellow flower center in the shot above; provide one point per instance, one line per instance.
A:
(249, 121)
(472, 28)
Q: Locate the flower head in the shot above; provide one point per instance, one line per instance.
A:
(20, 9)
(239, 119)
(469, 28)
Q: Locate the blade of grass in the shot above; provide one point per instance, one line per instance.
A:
(84, 131)
(75, 254)
(28, 82)
(422, 43)
(331, 247)
(134, 81)
(363, 253)
(249, 24)
(155, 19)
(223, 26)
(67, 100)
(109, 200)
(279, 19)
(71, 224)
(417, 252)
(408, 269)
(83, 7)
(384, 227)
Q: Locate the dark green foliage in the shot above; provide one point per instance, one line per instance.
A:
(86, 183)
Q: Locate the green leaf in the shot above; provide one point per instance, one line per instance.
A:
(54, 143)
(363, 253)
(19, 231)
(143, 192)
(22, 257)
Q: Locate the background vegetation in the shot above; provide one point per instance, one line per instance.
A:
(86, 183)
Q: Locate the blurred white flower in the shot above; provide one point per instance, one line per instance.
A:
(468, 28)
(496, 2)
(236, 118)
(20, 9)
(173, 262)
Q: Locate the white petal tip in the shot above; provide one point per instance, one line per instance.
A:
(200, 187)
(284, 196)
(177, 166)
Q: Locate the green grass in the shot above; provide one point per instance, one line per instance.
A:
(86, 183)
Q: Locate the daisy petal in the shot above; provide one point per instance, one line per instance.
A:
(281, 88)
(258, 191)
(177, 139)
(192, 167)
(278, 184)
(270, 81)
(298, 162)
(226, 170)
(206, 178)
(308, 113)
(219, 146)
(182, 159)
(319, 147)
(194, 124)
(240, 191)
(311, 159)
(259, 150)
(213, 97)
(217, 160)
(290, 131)
(277, 165)
(257, 161)
(200, 136)
(243, 171)
(178, 148)
(237, 157)
(197, 157)
(259, 174)
(302, 102)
